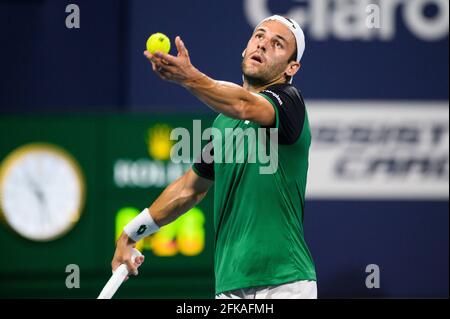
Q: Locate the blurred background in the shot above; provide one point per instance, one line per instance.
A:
(84, 142)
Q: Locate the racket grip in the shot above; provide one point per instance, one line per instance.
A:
(117, 278)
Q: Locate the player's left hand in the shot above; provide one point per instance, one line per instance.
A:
(178, 69)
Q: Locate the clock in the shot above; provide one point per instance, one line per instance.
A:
(42, 191)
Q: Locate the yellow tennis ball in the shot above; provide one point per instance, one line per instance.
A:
(158, 42)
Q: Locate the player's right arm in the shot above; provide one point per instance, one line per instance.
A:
(175, 200)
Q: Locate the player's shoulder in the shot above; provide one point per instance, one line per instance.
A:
(284, 91)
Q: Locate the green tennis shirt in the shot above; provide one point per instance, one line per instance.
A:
(258, 217)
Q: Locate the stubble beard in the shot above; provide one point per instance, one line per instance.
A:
(258, 78)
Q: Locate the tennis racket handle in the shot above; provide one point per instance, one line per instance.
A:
(114, 282)
(117, 278)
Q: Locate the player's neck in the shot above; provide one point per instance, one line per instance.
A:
(256, 87)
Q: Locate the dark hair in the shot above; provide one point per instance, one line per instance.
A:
(292, 58)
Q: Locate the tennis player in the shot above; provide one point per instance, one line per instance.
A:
(260, 250)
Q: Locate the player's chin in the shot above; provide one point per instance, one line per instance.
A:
(254, 65)
(253, 71)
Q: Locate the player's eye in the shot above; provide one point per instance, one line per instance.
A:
(258, 36)
(278, 45)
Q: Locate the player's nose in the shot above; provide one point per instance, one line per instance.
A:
(262, 45)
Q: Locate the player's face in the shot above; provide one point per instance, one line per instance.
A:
(268, 52)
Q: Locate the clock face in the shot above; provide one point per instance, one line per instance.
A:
(41, 191)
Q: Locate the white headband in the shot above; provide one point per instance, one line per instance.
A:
(296, 31)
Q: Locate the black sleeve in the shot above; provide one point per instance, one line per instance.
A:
(290, 111)
(204, 164)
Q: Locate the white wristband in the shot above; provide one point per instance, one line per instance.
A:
(141, 226)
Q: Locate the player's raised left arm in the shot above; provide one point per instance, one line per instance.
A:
(224, 97)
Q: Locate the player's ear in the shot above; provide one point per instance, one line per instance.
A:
(243, 52)
(292, 68)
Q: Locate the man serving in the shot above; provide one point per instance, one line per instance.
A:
(260, 250)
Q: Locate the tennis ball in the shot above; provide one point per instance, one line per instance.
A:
(158, 42)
